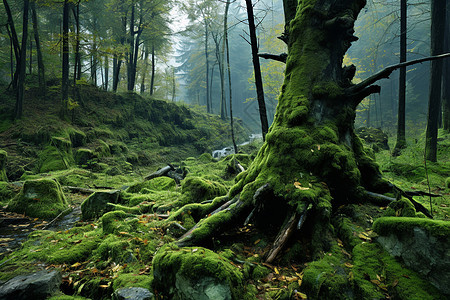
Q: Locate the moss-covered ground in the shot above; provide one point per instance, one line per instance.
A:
(119, 249)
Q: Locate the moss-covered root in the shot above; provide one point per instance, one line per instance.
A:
(3, 156)
(221, 218)
(195, 273)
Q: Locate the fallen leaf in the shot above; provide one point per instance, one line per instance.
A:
(348, 265)
(75, 265)
(394, 284)
(257, 241)
(276, 270)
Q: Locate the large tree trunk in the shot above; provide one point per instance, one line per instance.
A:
(434, 102)
(14, 41)
(401, 123)
(311, 160)
(21, 64)
(257, 69)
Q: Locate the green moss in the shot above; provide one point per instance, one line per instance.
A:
(400, 208)
(171, 265)
(386, 225)
(77, 137)
(3, 156)
(447, 182)
(56, 156)
(102, 149)
(113, 221)
(376, 272)
(156, 184)
(69, 247)
(39, 198)
(83, 156)
(97, 203)
(197, 189)
(7, 192)
(125, 280)
(61, 296)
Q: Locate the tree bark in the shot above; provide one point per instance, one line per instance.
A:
(208, 100)
(230, 91)
(41, 67)
(434, 102)
(21, 65)
(152, 80)
(401, 123)
(446, 76)
(65, 62)
(257, 69)
(77, 62)
(144, 72)
(15, 42)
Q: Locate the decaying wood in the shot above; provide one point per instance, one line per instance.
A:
(281, 57)
(160, 172)
(76, 189)
(379, 199)
(282, 237)
(56, 218)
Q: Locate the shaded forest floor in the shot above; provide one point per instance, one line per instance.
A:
(117, 249)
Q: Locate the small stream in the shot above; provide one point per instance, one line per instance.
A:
(218, 154)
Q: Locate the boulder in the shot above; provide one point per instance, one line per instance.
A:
(97, 204)
(56, 156)
(375, 137)
(3, 156)
(42, 198)
(198, 189)
(195, 273)
(34, 286)
(132, 293)
(422, 244)
(82, 156)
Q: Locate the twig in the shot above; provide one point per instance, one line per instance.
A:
(56, 218)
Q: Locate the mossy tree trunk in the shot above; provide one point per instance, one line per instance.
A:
(311, 160)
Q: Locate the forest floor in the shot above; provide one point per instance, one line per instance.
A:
(98, 256)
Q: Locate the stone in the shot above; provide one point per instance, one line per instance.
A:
(34, 286)
(42, 198)
(132, 293)
(97, 203)
(375, 137)
(3, 156)
(422, 244)
(195, 273)
(82, 156)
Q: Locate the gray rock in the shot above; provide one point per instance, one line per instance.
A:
(206, 288)
(423, 252)
(97, 203)
(34, 286)
(132, 293)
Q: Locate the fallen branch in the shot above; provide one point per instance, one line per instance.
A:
(282, 237)
(76, 189)
(56, 218)
(160, 172)
(379, 199)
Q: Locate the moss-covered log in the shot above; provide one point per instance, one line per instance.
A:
(311, 155)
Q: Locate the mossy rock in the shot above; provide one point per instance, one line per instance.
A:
(77, 137)
(56, 156)
(195, 273)
(3, 156)
(97, 204)
(400, 208)
(421, 243)
(198, 189)
(162, 183)
(375, 137)
(83, 156)
(41, 198)
(7, 192)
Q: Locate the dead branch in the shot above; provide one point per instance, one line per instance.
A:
(282, 237)
(386, 72)
(281, 57)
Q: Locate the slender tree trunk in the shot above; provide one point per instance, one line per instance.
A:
(65, 62)
(152, 80)
(118, 58)
(208, 99)
(219, 57)
(21, 68)
(106, 72)
(257, 70)
(30, 63)
(210, 87)
(225, 36)
(77, 61)
(94, 59)
(434, 102)
(144, 72)
(174, 87)
(41, 67)
(446, 76)
(15, 42)
(401, 123)
(130, 59)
